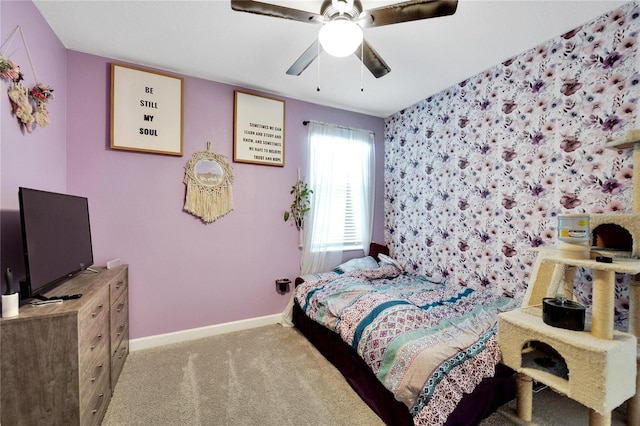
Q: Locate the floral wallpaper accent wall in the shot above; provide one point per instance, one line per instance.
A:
(476, 174)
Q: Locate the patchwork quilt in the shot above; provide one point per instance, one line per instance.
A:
(428, 343)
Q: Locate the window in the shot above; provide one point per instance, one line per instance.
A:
(341, 174)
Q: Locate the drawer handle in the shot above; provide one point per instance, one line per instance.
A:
(119, 308)
(120, 283)
(95, 410)
(120, 330)
(99, 371)
(98, 309)
(97, 341)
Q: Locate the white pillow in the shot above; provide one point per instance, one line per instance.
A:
(367, 262)
(384, 259)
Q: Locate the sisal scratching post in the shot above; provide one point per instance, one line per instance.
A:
(603, 304)
(574, 250)
(597, 419)
(545, 280)
(524, 396)
(569, 279)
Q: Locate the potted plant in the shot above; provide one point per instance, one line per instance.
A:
(300, 206)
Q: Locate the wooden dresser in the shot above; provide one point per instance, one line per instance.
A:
(59, 363)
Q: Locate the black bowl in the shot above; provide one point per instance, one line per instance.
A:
(563, 313)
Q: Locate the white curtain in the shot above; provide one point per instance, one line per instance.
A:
(336, 155)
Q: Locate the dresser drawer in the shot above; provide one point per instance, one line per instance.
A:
(117, 360)
(93, 330)
(119, 285)
(92, 375)
(119, 320)
(94, 405)
(94, 316)
(94, 365)
(94, 381)
(94, 362)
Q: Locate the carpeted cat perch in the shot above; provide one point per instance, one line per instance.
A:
(600, 370)
(600, 363)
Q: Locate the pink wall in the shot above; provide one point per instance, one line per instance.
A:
(38, 159)
(183, 273)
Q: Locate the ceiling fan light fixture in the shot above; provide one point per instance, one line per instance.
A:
(340, 37)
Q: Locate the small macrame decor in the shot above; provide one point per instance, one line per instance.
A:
(29, 105)
(208, 178)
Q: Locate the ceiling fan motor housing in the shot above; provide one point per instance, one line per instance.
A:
(329, 11)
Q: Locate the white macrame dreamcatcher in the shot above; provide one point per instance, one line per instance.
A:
(208, 178)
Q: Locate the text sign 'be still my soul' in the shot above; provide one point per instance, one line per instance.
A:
(146, 111)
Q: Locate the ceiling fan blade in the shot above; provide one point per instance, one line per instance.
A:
(408, 11)
(275, 11)
(372, 60)
(307, 57)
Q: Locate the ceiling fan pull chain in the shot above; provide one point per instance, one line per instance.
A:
(318, 85)
(362, 66)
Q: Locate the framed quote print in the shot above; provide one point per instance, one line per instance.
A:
(146, 111)
(258, 130)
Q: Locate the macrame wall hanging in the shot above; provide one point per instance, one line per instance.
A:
(208, 178)
(29, 105)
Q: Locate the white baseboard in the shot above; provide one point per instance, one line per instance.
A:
(198, 333)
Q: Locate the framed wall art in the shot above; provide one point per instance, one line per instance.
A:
(146, 111)
(258, 130)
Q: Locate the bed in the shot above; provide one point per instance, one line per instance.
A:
(417, 351)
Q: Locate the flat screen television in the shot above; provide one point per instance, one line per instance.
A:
(56, 237)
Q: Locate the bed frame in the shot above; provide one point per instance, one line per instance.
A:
(490, 394)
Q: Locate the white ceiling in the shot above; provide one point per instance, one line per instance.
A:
(207, 39)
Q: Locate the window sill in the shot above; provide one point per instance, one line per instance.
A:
(341, 248)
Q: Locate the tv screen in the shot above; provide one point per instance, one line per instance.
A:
(56, 236)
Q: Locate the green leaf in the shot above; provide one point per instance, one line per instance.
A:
(300, 204)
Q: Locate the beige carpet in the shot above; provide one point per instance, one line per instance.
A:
(266, 376)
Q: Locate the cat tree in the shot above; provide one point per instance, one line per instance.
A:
(602, 362)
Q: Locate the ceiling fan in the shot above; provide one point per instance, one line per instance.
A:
(342, 23)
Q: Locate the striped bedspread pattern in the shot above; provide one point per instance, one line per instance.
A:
(428, 343)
